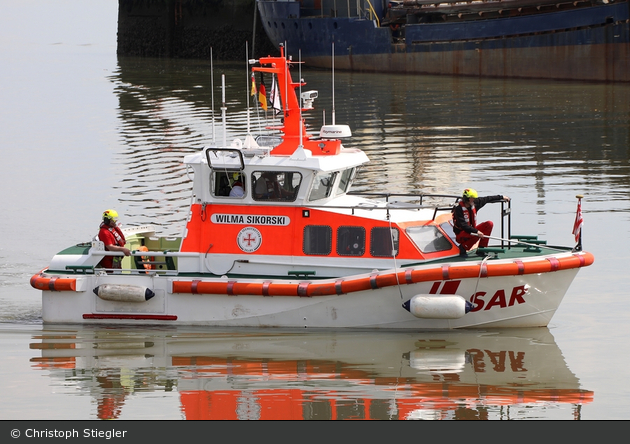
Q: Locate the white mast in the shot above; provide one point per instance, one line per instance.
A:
(248, 85)
(212, 91)
(223, 110)
(333, 82)
(300, 101)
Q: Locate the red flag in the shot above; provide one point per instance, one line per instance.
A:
(262, 96)
(577, 225)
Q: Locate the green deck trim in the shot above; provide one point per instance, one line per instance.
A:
(490, 250)
(513, 251)
(78, 249)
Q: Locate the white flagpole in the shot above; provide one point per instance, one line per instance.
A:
(577, 225)
(212, 92)
(300, 90)
(223, 110)
(248, 85)
(333, 82)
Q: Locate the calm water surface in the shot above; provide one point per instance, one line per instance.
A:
(83, 130)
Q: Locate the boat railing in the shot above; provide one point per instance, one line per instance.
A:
(409, 200)
(419, 196)
(394, 201)
(372, 15)
(493, 4)
(139, 258)
(506, 223)
(145, 253)
(411, 11)
(338, 9)
(417, 202)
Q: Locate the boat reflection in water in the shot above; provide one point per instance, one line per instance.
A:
(222, 375)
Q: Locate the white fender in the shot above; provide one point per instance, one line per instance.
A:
(123, 293)
(433, 306)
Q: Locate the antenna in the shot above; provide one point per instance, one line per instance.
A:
(333, 82)
(223, 110)
(300, 103)
(247, 86)
(212, 91)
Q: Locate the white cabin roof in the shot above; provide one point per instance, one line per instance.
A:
(228, 158)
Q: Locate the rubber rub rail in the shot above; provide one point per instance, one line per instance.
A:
(374, 281)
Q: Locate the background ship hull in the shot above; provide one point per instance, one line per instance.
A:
(591, 44)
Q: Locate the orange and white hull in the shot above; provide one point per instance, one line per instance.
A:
(502, 293)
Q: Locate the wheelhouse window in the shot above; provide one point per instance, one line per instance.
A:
(279, 186)
(447, 227)
(428, 239)
(345, 181)
(384, 242)
(317, 240)
(322, 186)
(350, 241)
(228, 184)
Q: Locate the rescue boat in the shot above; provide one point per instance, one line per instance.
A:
(276, 238)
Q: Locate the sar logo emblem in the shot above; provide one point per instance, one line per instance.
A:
(249, 239)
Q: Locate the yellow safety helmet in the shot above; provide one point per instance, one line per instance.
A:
(469, 192)
(110, 214)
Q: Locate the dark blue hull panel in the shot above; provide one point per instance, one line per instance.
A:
(590, 43)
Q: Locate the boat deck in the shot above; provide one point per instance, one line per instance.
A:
(508, 252)
(521, 247)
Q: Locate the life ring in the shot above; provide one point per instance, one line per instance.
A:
(394, 26)
(146, 259)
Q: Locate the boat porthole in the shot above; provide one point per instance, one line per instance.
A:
(282, 24)
(310, 25)
(295, 25)
(335, 25)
